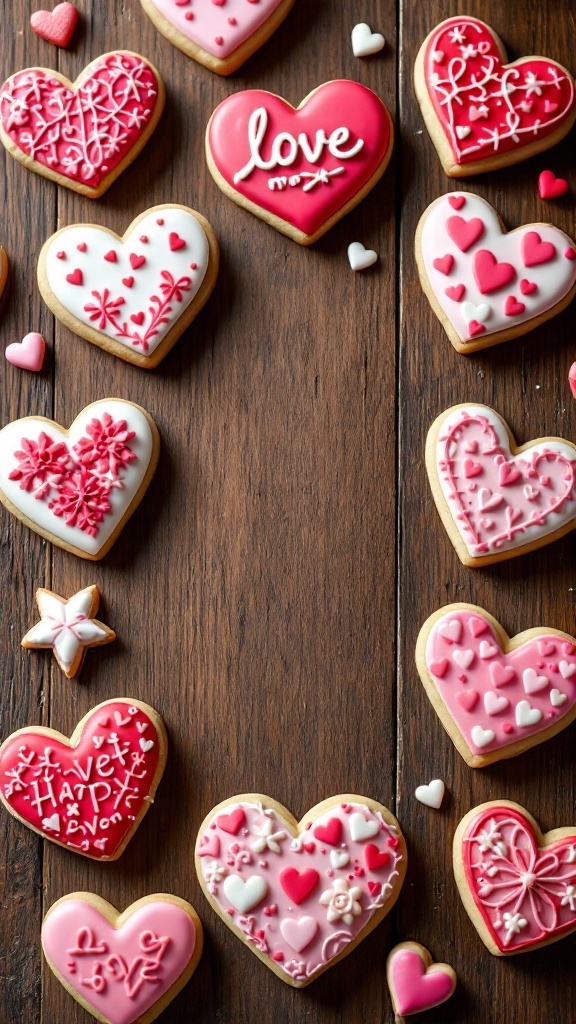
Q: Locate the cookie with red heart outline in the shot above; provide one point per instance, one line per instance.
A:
(301, 895)
(222, 34)
(134, 295)
(123, 968)
(54, 127)
(482, 113)
(496, 499)
(487, 285)
(415, 980)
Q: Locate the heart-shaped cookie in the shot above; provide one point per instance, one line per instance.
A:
(88, 793)
(221, 34)
(132, 296)
(56, 26)
(482, 113)
(496, 500)
(517, 885)
(495, 696)
(487, 285)
(122, 968)
(416, 983)
(79, 487)
(82, 134)
(302, 169)
(302, 894)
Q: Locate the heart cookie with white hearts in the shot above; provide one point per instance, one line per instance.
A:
(123, 968)
(302, 894)
(88, 793)
(300, 169)
(496, 500)
(82, 134)
(517, 885)
(482, 113)
(132, 296)
(415, 981)
(496, 696)
(487, 285)
(221, 34)
(79, 487)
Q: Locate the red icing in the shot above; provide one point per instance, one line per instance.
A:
(444, 263)
(330, 833)
(464, 232)
(298, 885)
(528, 287)
(512, 307)
(456, 292)
(489, 274)
(111, 256)
(535, 251)
(231, 823)
(175, 241)
(374, 858)
(136, 261)
(76, 277)
(456, 202)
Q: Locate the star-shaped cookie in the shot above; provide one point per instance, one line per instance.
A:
(68, 627)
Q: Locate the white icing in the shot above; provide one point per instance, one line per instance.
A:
(65, 626)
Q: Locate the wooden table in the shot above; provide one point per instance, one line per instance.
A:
(268, 593)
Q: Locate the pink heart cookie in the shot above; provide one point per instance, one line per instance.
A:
(124, 967)
(302, 169)
(55, 128)
(500, 284)
(56, 26)
(502, 501)
(301, 895)
(517, 885)
(27, 354)
(482, 113)
(416, 983)
(495, 696)
(88, 793)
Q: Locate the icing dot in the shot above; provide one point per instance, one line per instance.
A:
(143, 238)
(189, 16)
(219, 40)
(193, 266)
(160, 220)
(61, 255)
(82, 247)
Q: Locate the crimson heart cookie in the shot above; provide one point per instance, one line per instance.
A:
(132, 296)
(302, 169)
(88, 793)
(122, 968)
(496, 500)
(303, 894)
(82, 134)
(416, 983)
(482, 113)
(487, 285)
(79, 487)
(517, 885)
(495, 696)
(221, 34)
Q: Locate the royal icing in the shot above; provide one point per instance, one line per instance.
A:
(485, 107)
(81, 132)
(77, 485)
(525, 895)
(85, 794)
(135, 290)
(119, 972)
(486, 280)
(501, 502)
(300, 899)
(301, 165)
(68, 627)
(219, 27)
(415, 987)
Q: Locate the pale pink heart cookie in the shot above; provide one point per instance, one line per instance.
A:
(303, 894)
(79, 487)
(122, 968)
(88, 793)
(495, 500)
(300, 169)
(221, 34)
(495, 696)
(82, 134)
(482, 113)
(415, 981)
(517, 885)
(27, 354)
(56, 26)
(132, 296)
(487, 285)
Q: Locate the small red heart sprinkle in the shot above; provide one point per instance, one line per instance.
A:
(82, 247)
(393, 843)
(175, 241)
(76, 277)
(528, 287)
(456, 201)
(230, 910)
(551, 187)
(144, 238)
(219, 40)
(278, 956)
(570, 253)
(160, 221)
(309, 847)
(189, 16)
(232, 21)
(137, 318)
(507, 728)
(128, 281)
(136, 261)
(111, 256)
(61, 255)
(193, 266)
(374, 888)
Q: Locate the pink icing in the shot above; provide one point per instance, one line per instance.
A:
(85, 132)
(217, 27)
(485, 107)
(525, 894)
(316, 176)
(500, 502)
(416, 988)
(482, 686)
(86, 797)
(323, 873)
(120, 972)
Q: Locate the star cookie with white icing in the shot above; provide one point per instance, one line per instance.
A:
(68, 627)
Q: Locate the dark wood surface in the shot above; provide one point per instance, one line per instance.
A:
(268, 593)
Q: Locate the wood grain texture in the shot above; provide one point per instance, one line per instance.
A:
(268, 592)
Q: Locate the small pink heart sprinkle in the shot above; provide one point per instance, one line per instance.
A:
(278, 956)
(82, 247)
(144, 238)
(27, 354)
(232, 21)
(61, 255)
(507, 728)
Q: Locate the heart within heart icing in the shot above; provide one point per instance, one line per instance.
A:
(415, 982)
(301, 895)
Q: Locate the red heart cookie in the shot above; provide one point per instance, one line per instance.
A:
(56, 26)
(82, 134)
(482, 113)
(300, 169)
(416, 983)
(88, 793)
(517, 885)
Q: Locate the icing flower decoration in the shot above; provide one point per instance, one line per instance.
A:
(267, 839)
(343, 903)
